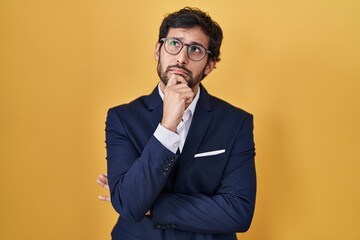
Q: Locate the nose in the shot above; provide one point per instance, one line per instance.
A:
(182, 57)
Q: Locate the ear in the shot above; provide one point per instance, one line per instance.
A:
(209, 66)
(157, 51)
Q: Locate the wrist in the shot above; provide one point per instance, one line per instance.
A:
(168, 126)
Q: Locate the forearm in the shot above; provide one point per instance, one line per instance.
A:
(134, 191)
(229, 210)
(136, 171)
(200, 213)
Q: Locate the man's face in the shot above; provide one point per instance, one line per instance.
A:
(180, 64)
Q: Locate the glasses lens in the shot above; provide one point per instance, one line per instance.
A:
(196, 52)
(173, 46)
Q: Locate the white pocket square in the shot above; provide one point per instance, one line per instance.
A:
(211, 153)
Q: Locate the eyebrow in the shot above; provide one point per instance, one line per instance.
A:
(191, 43)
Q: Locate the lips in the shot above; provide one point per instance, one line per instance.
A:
(179, 71)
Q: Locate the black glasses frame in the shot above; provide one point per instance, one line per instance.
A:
(164, 40)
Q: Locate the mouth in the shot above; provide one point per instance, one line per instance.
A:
(179, 71)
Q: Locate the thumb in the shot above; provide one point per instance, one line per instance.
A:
(172, 80)
(176, 79)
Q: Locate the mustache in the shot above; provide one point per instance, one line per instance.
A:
(188, 72)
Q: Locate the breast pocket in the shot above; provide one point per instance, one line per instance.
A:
(205, 174)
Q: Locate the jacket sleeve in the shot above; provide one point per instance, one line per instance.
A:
(230, 209)
(135, 179)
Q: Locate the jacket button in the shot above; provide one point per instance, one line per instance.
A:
(171, 159)
(158, 226)
(173, 226)
(163, 171)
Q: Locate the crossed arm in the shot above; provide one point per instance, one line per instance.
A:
(103, 182)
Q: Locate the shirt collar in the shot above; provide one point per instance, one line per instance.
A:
(192, 105)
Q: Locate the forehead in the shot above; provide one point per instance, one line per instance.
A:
(189, 35)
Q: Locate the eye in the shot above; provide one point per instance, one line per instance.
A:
(195, 49)
(173, 42)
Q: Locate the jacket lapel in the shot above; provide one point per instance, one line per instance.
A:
(154, 104)
(199, 125)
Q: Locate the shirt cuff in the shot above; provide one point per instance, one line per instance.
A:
(167, 138)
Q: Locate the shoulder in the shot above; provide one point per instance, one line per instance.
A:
(222, 108)
(134, 104)
(126, 115)
(137, 105)
(140, 104)
(225, 109)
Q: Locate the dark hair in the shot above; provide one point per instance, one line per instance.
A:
(190, 17)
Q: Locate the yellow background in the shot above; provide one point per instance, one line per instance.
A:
(294, 64)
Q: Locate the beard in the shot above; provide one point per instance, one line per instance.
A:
(191, 81)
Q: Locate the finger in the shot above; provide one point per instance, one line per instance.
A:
(105, 198)
(104, 179)
(100, 181)
(189, 100)
(182, 91)
(103, 176)
(185, 92)
(103, 184)
(182, 88)
(175, 79)
(180, 79)
(172, 81)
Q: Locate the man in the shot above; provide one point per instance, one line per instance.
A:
(180, 161)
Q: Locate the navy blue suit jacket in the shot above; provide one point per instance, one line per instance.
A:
(210, 197)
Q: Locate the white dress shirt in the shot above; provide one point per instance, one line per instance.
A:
(174, 141)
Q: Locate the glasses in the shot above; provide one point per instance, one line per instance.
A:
(194, 51)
